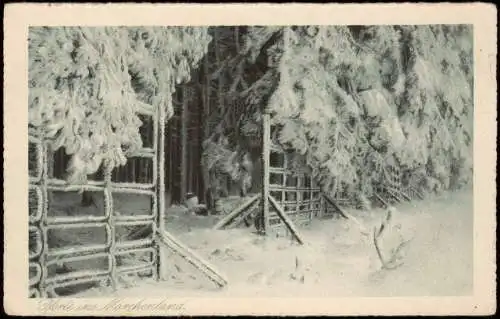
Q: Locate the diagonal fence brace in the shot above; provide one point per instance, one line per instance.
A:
(332, 202)
(166, 239)
(242, 209)
(288, 222)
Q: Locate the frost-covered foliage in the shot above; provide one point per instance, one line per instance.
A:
(358, 100)
(237, 72)
(86, 86)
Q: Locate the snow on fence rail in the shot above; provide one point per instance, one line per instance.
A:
(294, 189)
(294, 196)
(71, 245)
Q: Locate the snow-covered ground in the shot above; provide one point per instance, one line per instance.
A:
(336, 259)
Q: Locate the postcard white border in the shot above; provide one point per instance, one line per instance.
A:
(483, 17)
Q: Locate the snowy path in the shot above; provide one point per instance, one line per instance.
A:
(335, 261)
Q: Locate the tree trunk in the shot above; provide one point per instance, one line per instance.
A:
(206, 129)
(170, 150)
(221, 98)
(184, 146)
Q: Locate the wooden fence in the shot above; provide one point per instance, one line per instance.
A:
(73, 247)
(296, 191)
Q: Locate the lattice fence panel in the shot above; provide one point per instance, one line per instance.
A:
(391, 185)
(413, 182)
(342, 198)
(74, 247)
(294, 189)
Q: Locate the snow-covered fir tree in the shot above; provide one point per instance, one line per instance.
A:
(360, 100)
(354, 100)
(87, 86)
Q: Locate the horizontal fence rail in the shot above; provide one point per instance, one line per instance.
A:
(293, 190)
(295, 193)
(74, 247)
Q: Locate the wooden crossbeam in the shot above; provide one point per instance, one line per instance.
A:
(384, 202)
(401, 193)
(166, 239)
(345, 215)
(235, 213)
(414, 193)
(405, 196)
(288, 222)
(334, 204)
(395, 194)
(246, 213)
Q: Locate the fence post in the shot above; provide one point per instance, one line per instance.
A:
(266, 141)
(160, 187)
(184, 142)
(43, 221)
(111, 223)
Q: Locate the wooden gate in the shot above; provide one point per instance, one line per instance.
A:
(293, 188)
(289, 197)
(74, 247)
